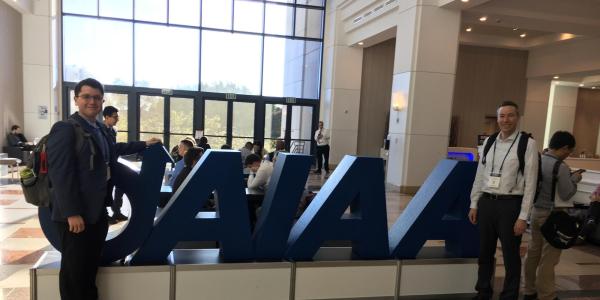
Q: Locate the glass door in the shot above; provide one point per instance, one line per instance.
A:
(169, 118)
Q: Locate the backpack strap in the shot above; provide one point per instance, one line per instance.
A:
(554, 179)
(521, 149)
(488, 145)
(81, 136)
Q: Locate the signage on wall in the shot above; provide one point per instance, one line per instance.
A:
(438, 212)
(230, 96)
(43, 112)
(290, 100)
(166, 92)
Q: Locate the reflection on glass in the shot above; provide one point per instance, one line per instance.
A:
(302, 147)
(278, 19)
(275, 121)
(216, 14)
(243, 119)
(293, 68)
(308, 22)
(151, 10)
(152, 117)
(119, 101)
(109, 59)
(84, 7)
(215, 118)
(166, 57)
(184, 12)
(248, 16)
(181, 115)
(231, 62)
(301, 122)
(116, 8)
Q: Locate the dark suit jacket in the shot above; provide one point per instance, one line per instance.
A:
(77, 190)
(16, 139)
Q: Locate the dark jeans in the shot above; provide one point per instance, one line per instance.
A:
(496, 219)
(117, 201)
(80, 259)
(322, 151)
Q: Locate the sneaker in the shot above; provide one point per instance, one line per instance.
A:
(530, 297)
(120, 217)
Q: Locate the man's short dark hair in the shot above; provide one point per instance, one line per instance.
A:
(226, 146)
(509, 103)
(191, 155)
(109, 111)
(91, 82)
(251, 158)
(187, 143)
(15, 127)
(562, 138)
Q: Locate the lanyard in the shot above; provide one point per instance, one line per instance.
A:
(507, 152)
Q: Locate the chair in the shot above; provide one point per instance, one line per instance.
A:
(17, 152)
(13, 165)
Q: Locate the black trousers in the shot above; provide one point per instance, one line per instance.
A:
(323, 152)
(496, 219)
(80, 260)
(117, 201)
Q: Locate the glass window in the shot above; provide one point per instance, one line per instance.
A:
(119, 101)
(151, 10)
(275, 121)
(217, 13)
(152, 114)
(101, 49)
(181, 117)
(243, 120)
(278, 19)
(166, 57)
(301, 122)
(293, 68)
(248, 16)
(84, 7)
(72, 107)
(215, 118)
(116, 8)
(231, 62)
(185, 12)
(282, 1)
(308, 22)
(310, 2)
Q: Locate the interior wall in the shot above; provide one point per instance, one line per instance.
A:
(564, 103)
(11, 70)
(484, 78)
(587, 121)
(375, 97)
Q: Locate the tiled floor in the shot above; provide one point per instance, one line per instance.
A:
(22, 243)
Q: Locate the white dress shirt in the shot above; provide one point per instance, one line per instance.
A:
(512, 182)
(324, 139)
(261, 179)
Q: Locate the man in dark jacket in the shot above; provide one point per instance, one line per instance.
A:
(111, 118)
(79, 180)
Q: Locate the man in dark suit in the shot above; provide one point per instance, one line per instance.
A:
(17, 139)
(79, 180)
(111, 118)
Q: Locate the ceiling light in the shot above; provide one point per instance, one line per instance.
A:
(483, 19)
(593, 88)
(468, 29)
(361, 43)
(515, 28)
(465, 1)
(556, 77)
(523, 35)
(581, 84)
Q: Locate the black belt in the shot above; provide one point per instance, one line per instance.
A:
(502, 197)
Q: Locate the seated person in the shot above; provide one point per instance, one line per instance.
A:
(258, 149)
(184, 146)
(247, 149)
(591, 222)
(191, 157)
(279, 147)
(226, 147)
(260, 172)
(203, 143)
(17, 139)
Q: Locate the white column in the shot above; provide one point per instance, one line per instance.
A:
(340, 90)
(40, 68)
(422, 91)
(536, 108)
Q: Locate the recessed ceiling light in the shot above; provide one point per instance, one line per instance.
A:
(361, 43)
(581, 84)
(556, 77)
(515, 28)
(465, 1)
(468, 29)
(523, 35)
(593, 88)
(483, 19)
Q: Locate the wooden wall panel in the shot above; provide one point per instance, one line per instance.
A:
(587, 120)
(484, 78)
(375, 97)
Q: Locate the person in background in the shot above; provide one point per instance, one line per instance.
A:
(203, 143)
(260, 172)
(279, 147)
(258, 149)
(226, 147)
(111, 118)
(184, 145)
(322, 138)
(591, 222)
(17, 139)
(246, 150)
(541, 256)
(190, 158)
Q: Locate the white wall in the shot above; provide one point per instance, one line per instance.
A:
(11, 71)
(564, 103)
(579, 55)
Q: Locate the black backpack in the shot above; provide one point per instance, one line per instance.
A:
(560, 229)
(34, 178)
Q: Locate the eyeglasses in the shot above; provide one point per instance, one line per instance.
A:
(90, 97)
